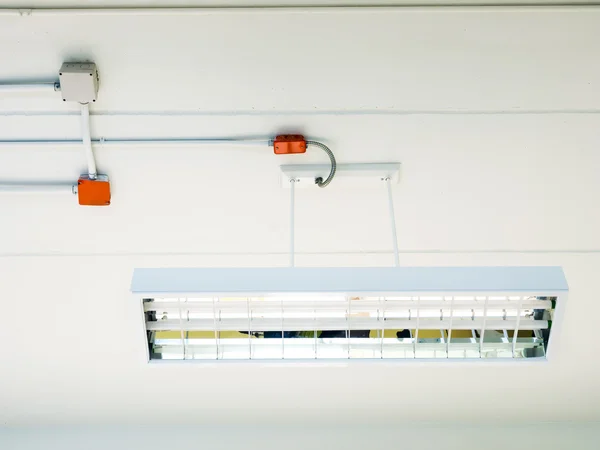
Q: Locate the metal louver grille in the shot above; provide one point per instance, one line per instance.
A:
(238, 323)
(347, 327)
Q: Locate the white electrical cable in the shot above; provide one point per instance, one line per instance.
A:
(87, 141)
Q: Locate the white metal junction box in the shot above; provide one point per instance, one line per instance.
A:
(79, 82)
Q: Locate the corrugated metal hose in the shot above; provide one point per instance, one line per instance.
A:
(319, 180)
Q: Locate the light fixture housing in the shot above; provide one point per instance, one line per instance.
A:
(377, 313)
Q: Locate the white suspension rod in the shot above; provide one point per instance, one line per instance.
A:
(393, 222)
(292, 221)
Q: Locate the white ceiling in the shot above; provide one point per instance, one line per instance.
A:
(269, 3)
(494, 115)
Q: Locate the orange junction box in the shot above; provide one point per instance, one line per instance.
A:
(93, 192)
(286, 144)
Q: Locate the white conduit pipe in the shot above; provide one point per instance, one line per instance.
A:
(8, 188)
(38, 188)
(87, 141)
(64, 188)
(136, 142)
(27, 88)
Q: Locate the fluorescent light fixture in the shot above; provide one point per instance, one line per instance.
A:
(349, 313)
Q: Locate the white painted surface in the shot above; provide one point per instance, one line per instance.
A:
(493, 114)
(93, 369)
(451, 437)
(27, 5)
(307, 60)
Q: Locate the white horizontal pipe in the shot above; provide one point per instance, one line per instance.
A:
(24, 88)
(136, 142)
(38, 188)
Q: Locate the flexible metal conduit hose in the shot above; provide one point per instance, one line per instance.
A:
(319, 180)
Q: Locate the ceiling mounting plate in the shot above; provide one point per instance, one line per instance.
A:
(361, 175)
